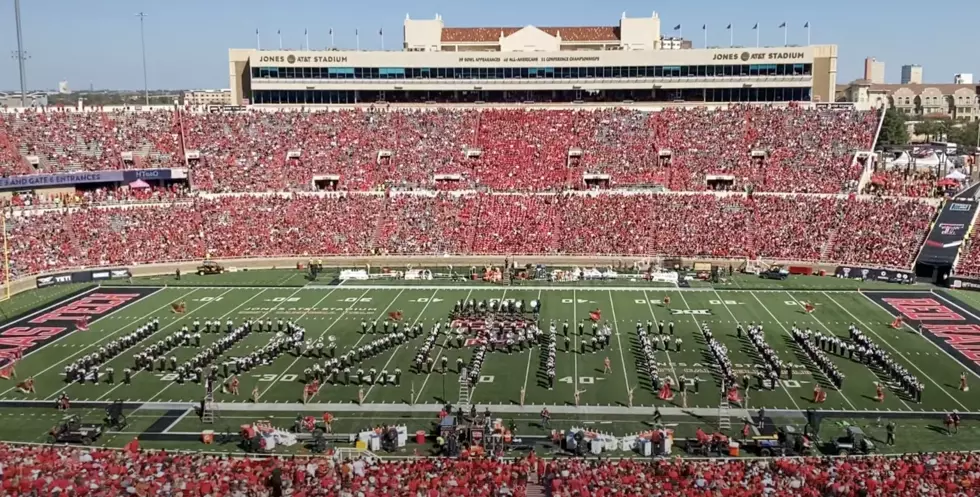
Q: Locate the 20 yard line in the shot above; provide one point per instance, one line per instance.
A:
(619, 342)
(239, 306)
(911, 363)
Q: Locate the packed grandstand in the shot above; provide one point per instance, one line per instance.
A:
(391, 170)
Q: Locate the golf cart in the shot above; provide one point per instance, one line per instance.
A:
(210, 267)
(71, 430)
(854, 441)
(775, 273)
(785, 442)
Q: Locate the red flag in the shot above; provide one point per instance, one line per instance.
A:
(595, 315)
(395, 315)
(82, 323)
(7, 371)
(133, 446)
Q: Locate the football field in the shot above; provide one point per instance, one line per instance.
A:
(338, 310)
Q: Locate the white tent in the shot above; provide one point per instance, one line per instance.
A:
(956, 175)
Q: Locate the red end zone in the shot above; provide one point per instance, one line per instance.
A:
(950, 324)
(33, 331)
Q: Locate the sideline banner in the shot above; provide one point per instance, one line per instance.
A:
(867, 273)
(81, 277)
(67, 179)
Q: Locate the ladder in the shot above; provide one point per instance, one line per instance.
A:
(464, 392)
(207, 414)
(724, 410)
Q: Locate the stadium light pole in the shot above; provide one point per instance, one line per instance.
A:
(21, 55)
(146, 90)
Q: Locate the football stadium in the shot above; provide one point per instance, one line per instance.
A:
(582, 261)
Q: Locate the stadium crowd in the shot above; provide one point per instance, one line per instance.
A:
(93, 472)
(770, 148)
(884, 232)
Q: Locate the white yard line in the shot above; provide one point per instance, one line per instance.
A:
(619, 342)
(178, 420)
(911, 363)
(502, 297)
(444, 343)
(530, 353)
(169, 384)
(673, 372)
(395, 352)
(791, 398)
(322, 333)
(94, 344)
(575, 348)
(815, 318)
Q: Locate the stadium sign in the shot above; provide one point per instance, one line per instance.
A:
(748, 56)
(948, 233)
(31, 332)
(867, 273)
(67, 179)
(303, 59)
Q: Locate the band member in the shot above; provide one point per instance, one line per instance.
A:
(667, 301)
(879, 392)
(666, 391)
(606, 366)
(255, 394)
(578, 396)
(630, 397)
(807, 307)
(360, 395)
(233, 385)
(963, 386)
(818, 394)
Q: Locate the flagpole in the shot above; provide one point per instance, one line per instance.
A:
(357, 36)
(807, 34)
(382, 33)
(680, 33)
(785, 36)
(731, 35)
(757, 35)
(705, 29)
(306, 34)
(258, 41)
(280, 39)
(332, 45)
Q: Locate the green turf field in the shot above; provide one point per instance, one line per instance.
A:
(337, 310)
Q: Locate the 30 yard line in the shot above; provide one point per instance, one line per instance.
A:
(320, 336)
(395, 352)
(619, 342)
(791, 398)
(780, 324)
(169, 384)
(911, 363)
(444, 343)
(575, 351)
(673, 372)
(96, 343)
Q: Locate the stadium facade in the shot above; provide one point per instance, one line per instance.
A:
(628, 62)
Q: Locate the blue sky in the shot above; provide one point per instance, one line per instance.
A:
(97, 42)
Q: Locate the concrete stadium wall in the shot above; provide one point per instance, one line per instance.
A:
(187, 267)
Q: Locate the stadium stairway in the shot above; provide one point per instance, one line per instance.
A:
(534, 489)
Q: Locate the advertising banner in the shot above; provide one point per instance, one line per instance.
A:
(948, 233)
(68, 179)
(81, 277)
(867, 273)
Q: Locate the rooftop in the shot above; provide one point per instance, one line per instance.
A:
(568, 33)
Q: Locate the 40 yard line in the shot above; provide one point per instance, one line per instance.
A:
(619, 342)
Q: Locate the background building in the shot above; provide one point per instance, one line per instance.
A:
(207, 97)
(628, 62)
(957, 101)
(963, 79)
(911, 74)
(874, 70)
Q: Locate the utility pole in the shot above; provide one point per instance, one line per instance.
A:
(21, 55)
(146, 91)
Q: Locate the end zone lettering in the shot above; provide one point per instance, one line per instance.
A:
(965, 338)
(93, 304)
(924, 309)
(22, 336)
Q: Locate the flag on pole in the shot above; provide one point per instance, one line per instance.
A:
(356, 33)
(756, 26)
(595, 315)
(381, 32)
(729, 27)
(807, 25)
(677, 28)
(305, 32)
(704, 27)
(331, 31)
(783, 25)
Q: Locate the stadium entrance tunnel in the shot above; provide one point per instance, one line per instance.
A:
(927, 272)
